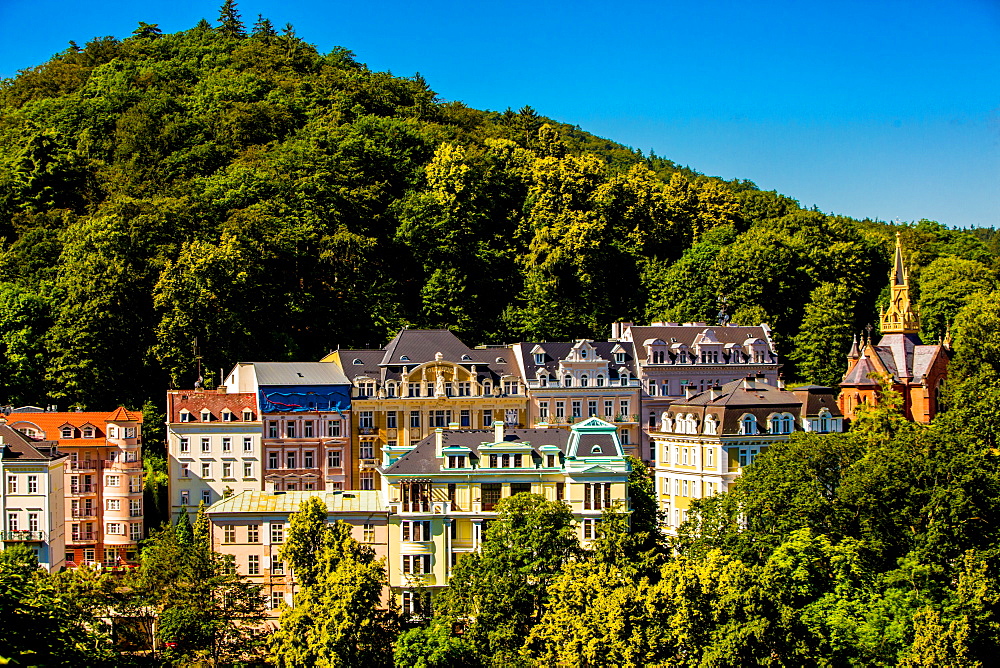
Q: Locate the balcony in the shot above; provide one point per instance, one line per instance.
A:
(24, 535)
(123, 466)
(84, 466)
(368, 431)
(83, 489)
(368, 463)
(84, 536)
(84, 513)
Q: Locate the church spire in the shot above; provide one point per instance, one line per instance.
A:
(901, 317)
(854, 353)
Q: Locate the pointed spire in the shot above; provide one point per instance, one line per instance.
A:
(900, 317)
(947, 338)
(898, 268)
(854, 352)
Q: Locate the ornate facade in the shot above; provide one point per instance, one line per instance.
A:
(914, 369)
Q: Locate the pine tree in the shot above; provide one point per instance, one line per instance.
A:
(263, 28)
(820, 348)
(230, 23)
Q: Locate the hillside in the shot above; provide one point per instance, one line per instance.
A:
(241, 188)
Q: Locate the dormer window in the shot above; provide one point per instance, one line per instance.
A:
(185, 415)
(539, 358)
(623, 379)
(501, 360)
(66, 432)
(247, 416)
(596, 450)
(206, 416)
(227, 416)
(600, 380)
(583, 353)
(466, 358)
(619, 358)
(584, 381)
(88, 432)
(456, 461)
(568, 381)
(749, 424)
(357, 362)
(404, 358)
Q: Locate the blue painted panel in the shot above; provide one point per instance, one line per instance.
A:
(304, 398)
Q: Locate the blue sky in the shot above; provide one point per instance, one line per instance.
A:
(883, 109)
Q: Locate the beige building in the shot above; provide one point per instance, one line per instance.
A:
(251, 527)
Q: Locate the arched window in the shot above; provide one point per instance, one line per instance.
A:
(567, 381)
(600, 380)
(692, 424)
(584, 381)
(623, 379)
(711, 426)
(543, 379)
(776, 424)
(666, 424)
(824, 421)
(749, 423)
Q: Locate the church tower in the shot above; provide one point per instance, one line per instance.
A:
(900, 318)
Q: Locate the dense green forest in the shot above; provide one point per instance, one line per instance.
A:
(234, 185)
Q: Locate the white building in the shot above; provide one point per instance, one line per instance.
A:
(32, 496)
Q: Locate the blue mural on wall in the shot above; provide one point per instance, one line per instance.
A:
(305, 398)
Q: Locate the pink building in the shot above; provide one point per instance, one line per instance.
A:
(103, 480)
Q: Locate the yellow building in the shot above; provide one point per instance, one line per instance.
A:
(421, 381)
(706, 439)
(443, 491)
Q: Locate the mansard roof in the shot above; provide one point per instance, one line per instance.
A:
(15, 446)
(421, 459)
(690, 335)
(742, 393)
(559, 350)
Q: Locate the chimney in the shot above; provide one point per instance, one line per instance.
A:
(689, 391)
(438, 441)
(781, 382)
(748, 383)
(497, 431)
(761, 378)
(716, 392)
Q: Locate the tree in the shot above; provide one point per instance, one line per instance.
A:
(502, 590)
(946, 284)
(338, 619)
(309, 532)
(820, 348)
(434, 646)
(264, 28)
(148, 30)
(230, 23)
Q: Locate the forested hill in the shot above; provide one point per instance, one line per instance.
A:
(237, 186)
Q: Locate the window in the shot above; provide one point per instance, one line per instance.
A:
(247, 469)
(253, 533)
(277, 533)
(227, 415)
(491, 495)
(185, 416)
(390, 420)
(465, 418)
(413, 389)
(66, 432)
(32, 484)
(12, 522)
(609, 408)
(135, 532)
(272, 429)
(366, 388)
(710, 454)
(453, 495)
(112, 504)
(227, 444)
(390, 390)
(520, 488)
(456, 461)
(749, 424)
(253, 564)
(550, 461)
(414, 419)
(228, 533)
(206, 470)
(272, 460)
(539, 358)
(416, 530)
(307, 459)
(277, 567)
(576, 409)
(567, 381)
(464, 388)
(206, 444)
(589, 529)
(247, 416)
(247, 444)
(367, 480)
(560, 409)
(747, 455)
(596, 495)
(416, 564)
(290, 460)
(333, 429)
(487, 418)
(206, 496)
(185, 444)
(591, 409)
(333, 459)
(277, 598)
(366, 450)
(116, 528)
(543, 410)
(289, 429)
(112, 481)
(366, 419)
(227, 469)
(511, 387)
(307, 429)
(88, 432)
(368, 533)
(623, 409)
(185, 498)
(135, 508)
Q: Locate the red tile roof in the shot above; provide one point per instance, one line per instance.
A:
(197, 400)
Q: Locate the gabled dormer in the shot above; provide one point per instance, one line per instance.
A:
(619, 354)
(656, 351)
(539, 355)
(67, 431)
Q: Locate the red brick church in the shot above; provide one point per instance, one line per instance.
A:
(917, 370)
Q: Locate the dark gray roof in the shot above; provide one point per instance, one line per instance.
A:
(299, 373)
(558, 350)
(421, 460)
(743, 393)
(686, 334)
(421, 345)
(369, 363)
(18, 447)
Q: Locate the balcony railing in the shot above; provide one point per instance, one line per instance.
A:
(86, 512)
(123, 466)
(367, 431)
(85, 465)
(83, 489)
(84, 536)
(24, 535)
